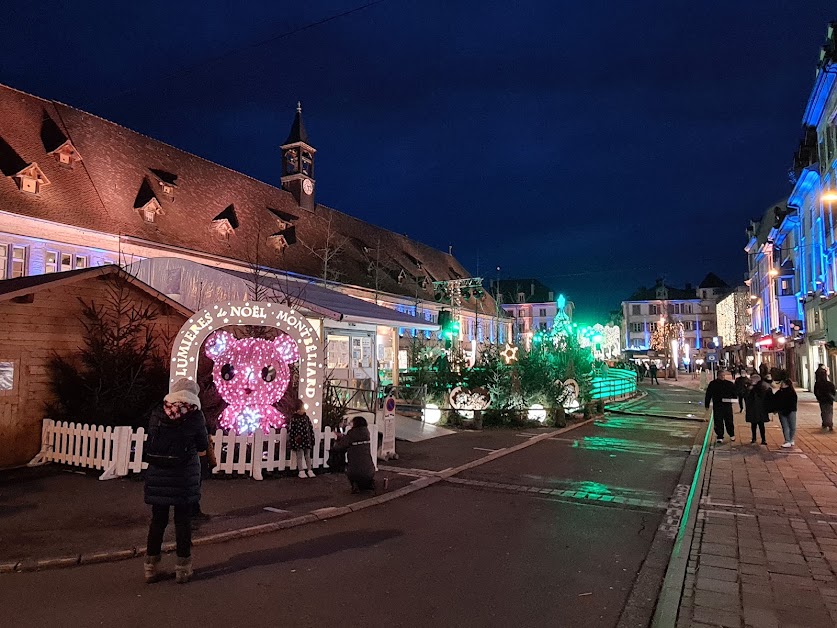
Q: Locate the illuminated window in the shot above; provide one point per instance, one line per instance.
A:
(18, 265)
(51, 262)
(81, 261)
(4, 252)
(543, 311)
(66, 262)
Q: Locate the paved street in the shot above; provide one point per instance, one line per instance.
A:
(552, 535)
(765, 553)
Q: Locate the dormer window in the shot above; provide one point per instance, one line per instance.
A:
(31, 179)
(402, 276)
(226, 222)
(167, 180)
(66, 154)
(150, 210)
(278, 241)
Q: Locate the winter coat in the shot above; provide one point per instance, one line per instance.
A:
(759, 403)
(720, 391)
(177, 486)
(300, 432)
(357, 447)
(824, 390)
(742, 385)
(784, 400)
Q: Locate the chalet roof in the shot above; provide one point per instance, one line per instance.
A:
(21, 286)
(101, 196)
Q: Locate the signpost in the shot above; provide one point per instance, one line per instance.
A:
(388, 442)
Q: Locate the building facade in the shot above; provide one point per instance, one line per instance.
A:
(530, 304)
(694, 307)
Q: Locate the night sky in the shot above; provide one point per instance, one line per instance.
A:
(596, 145)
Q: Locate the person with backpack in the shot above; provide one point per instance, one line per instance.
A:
(301, 439)
(759, 404)
(176, 437)
(360, 467)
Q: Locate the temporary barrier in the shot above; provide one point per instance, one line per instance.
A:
(614, 384)
(118, 451)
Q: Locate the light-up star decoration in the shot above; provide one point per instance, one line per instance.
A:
(251, 375)
(509, 353)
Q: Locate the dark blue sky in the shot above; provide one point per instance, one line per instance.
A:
(596, 145)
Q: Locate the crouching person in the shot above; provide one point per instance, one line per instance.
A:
(360, 468)
(176, 435)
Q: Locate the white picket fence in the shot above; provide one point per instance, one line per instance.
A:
(118, 451)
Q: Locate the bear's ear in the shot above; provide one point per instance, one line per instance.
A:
(286, 346)
(218, 343)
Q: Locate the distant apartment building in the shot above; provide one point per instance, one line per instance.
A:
(694, 307)
(529, 302)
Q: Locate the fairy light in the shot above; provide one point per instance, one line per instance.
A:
(251, 375)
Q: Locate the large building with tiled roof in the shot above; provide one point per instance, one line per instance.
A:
(77, 191)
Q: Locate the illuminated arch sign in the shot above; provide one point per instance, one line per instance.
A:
(308, 349)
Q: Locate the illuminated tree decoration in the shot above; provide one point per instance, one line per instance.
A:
(509, 354)
(251, 375)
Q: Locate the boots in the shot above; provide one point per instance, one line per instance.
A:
(183, 570)
(152, 569)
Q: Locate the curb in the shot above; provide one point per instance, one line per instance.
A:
(668, 601)
(321, 514)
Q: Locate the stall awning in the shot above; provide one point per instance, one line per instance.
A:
(196, 286)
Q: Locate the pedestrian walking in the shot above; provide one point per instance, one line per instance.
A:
(360, 467)
(824, 392)
(742, 385)
(721, 393)
(785, 401)
(301, 439)
(759, 404)
(176, 435)
(652, 371)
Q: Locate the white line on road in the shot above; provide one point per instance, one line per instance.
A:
(486, 449)
(276, 510)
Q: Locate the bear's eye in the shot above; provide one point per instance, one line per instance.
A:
(268, 373)
(227, 372)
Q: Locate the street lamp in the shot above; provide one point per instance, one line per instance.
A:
(829, 196)
(772, 272)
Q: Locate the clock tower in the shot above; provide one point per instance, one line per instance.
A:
(298, 163)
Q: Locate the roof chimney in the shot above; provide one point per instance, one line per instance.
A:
(532, 293)
(551, 295)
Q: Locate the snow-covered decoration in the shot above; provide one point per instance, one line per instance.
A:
(469, 400)
(251, 375)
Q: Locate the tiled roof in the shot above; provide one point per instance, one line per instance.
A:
(713, 281)
(534, 291)
(674, 294)
(121, 167)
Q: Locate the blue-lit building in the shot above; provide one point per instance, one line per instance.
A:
(811, 222)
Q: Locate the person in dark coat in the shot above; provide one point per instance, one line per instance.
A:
(785, 401)
(652, 370)
(742, 385)
(759, 404)
(176, 484)
(721, 392)
(360, 467)
(824, 392)
(301, 439)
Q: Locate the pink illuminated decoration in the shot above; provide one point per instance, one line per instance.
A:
(251, 375)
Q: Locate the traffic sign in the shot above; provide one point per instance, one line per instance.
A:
(711, 357)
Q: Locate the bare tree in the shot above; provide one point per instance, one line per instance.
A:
(329, 251)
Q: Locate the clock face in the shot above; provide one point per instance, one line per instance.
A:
(307, 186)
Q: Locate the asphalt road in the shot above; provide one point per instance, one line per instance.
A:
(552, 535)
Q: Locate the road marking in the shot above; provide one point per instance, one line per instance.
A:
(487, 449)
(276, 510)
(524, 435)
(724, 512)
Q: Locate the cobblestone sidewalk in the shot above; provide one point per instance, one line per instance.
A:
(765, 548)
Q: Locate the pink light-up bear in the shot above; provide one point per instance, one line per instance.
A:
(251, 375)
